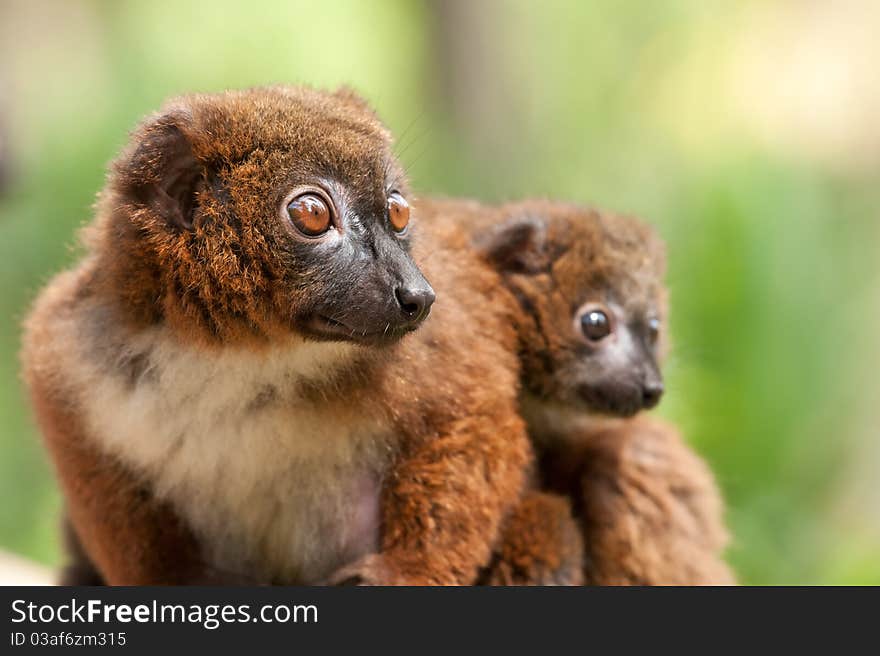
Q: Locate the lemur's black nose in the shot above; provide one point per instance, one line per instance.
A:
(415, 302)
(651, 393)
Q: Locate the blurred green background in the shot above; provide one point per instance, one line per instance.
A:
(749, 132)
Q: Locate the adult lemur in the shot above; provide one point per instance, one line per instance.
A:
(226, 382)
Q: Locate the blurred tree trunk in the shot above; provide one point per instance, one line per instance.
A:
(473, 83)
(4, 89)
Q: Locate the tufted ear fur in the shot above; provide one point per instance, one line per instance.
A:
(518, 245)
(351, 97)
(163, 172)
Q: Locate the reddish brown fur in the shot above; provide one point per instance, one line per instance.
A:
(650, 510)
(457, 449)
(222, 282)
(542, 545)
(648, 507)
(574, 254)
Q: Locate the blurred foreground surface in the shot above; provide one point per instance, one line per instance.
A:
(746, 131)
(15, 570)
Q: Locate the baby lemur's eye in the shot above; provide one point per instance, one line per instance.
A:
(309, 214)
(653, 329)
(595, 324)
(398, 211)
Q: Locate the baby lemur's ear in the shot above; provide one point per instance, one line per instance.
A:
(518, 245)
(162, 172)
(354, 100)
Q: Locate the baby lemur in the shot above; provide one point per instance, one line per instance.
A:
(230, 382)
(589, 307)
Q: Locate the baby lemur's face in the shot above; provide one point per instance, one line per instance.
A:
(272, 210)
(594, 305)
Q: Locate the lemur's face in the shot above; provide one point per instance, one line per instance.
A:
(284, 209)
(590, 287)
(610, 358)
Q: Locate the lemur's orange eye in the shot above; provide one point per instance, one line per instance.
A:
(310, 214)
(398, 211)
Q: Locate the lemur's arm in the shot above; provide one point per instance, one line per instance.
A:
(541, 544)
(444, 503)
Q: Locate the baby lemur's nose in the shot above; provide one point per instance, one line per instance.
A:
(415, 302)
(651, 393)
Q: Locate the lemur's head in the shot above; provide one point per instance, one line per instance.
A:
(593, 304)
(255, 213)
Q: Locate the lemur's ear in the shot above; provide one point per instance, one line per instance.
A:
(162, 172)
(518, 245)
(347, 94)
(356, 101)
